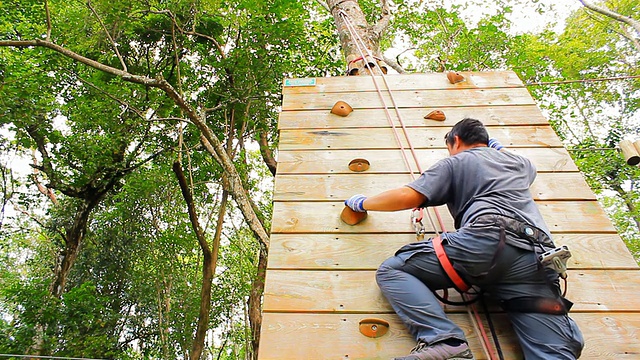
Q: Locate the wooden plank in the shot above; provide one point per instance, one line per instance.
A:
(324, 217)
(412, 117)
(405, 98)
(548, 186)
(391, 161)
(607, 336)
(333, 336)
(432, 81)
(357, 292)
(385, 138)
(367, 251)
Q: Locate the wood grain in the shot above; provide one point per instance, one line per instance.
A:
(420, 138)
(324, 217)
(409, 98)
(547, 186)
(335, 336)
(357, 291)
(412, 117)
(432, 81)
(368, 251)
(392, 161)
(320, 279)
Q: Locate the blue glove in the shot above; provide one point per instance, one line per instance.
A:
(494, 143)
(356, 203)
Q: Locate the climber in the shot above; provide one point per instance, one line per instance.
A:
(499, 235)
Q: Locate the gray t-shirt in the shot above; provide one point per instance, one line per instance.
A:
(482, 181)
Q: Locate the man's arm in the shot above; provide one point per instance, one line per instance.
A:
(402, 198)
(494, 143)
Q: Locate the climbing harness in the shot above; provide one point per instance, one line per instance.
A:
(446, 264)
(475, 320)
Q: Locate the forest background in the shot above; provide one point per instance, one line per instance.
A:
(138, 143)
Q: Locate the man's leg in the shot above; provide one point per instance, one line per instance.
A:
(545, 336)
(403, 280)
(542, 336)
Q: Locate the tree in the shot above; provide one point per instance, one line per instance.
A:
(625, 20)
(175, 69)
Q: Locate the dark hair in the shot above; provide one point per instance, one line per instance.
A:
(470, 131)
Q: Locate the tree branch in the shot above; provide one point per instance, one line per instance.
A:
(112, 97)
(631, 39)
(324, 5)
(225, 179)
(604, 11)
(46, 9)
(113, 43)
(236, 188)
(194, 33)
(207, 266)
(43, 190)
(395, 65)
(266, 153)
(382, 24)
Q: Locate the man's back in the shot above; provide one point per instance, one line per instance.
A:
(482, 181)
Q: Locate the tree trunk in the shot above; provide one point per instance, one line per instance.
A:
(73, 242)
(267, 155)
(360, 41)
(208, 265)
(255, 300)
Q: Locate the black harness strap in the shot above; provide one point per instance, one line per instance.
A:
(535, 304)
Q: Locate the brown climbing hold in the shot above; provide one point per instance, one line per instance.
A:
(359, 165)
(454, 77)
(373, 327)
(351, 217)
(436, 115)
(341, 108)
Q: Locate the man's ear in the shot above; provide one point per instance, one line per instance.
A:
(457, 143)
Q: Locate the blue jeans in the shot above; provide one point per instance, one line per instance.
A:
(407, 280)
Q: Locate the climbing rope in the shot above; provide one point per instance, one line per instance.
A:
(360, 45)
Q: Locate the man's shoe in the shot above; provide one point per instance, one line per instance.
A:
(439, 351)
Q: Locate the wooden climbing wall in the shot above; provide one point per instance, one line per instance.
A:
(320, 279)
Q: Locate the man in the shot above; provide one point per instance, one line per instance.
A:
(499, 235)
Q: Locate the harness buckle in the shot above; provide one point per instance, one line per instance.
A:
(417, 214)
(556, 260)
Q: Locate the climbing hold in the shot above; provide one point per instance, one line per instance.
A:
(629, 152)
(454, 77)
(351, 217)
(341, 108)
(359, 165)
(373, 327)
(436, 115)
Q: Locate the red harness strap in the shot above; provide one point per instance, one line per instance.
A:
(460, 284)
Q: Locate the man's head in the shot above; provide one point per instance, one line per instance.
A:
(466, 134)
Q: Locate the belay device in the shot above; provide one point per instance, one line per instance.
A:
(556, 260)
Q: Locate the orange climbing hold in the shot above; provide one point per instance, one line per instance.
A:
(455, 77)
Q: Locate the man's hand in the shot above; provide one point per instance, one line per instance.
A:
(494, 143)
(356, 203)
